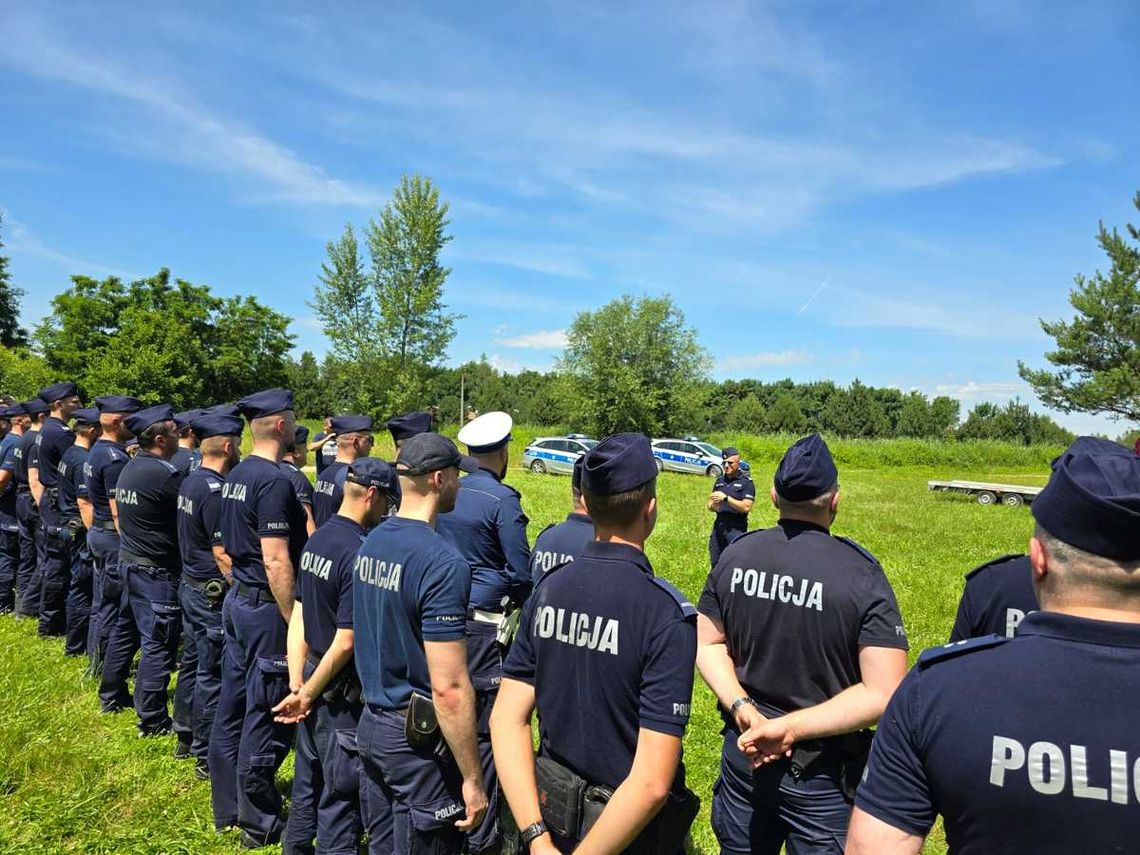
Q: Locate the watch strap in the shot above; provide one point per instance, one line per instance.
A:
(532, 831)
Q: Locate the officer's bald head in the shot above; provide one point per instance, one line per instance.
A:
(274, 427)
(1068, 577)
(114, 426)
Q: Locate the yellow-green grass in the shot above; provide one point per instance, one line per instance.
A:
(72, 780)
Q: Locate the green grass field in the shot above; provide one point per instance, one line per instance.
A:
(72, 780)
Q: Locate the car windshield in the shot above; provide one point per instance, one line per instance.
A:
(589, 443)
(711, 449)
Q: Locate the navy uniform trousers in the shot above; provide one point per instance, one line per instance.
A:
(721, 536)
(485, 665)
(246, 745)
(9, 562)
(55, 572)
(79, 594)
(106, 593)
(31, 554)
(200, 670)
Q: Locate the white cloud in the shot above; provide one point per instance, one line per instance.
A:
(21, 241)
(753, 361)
(538, 340)
(981, 390)
(854, 307)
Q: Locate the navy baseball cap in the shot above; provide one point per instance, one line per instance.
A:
(184, 418)
(430, 452)
(220, 424)
(807, 470)
(728, 452)
(58, 391)
(409, 424)
(86, 416)
(351, 424)
(34, 407)
(1092, 501)
(300, 435)
(265, 403)
(373, 472)
(118, 404)
(138, 422)
(618, 464)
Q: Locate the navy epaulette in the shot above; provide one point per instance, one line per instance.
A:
(860, 549)
(947, 652)
(687, 608)
(993, 563)
(544, 531)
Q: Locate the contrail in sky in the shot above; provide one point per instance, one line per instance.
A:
(814, 295)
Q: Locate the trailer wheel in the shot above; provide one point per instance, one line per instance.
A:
(1012, 500)
(987, 498)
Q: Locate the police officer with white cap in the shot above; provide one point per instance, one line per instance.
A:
(1028, 744)
(488, 527)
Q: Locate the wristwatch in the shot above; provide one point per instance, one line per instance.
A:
(532, 831)
(739, 702)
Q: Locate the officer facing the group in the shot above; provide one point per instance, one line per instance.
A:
(187, 457)
(75, 519)
(488, 527)
(731, 500)
(100, 475)
(353, 441)
(325, 698)
(17, 420)
(292, 462)
(31, 528)
(561, 542)
(146, 498)
(408, 425)
(324, 446)
(417, 731)
(263, 529)
(205, 580)
(605, 653)
(801, 641)
(1047, 763)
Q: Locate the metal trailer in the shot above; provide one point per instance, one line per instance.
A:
(1012, 495)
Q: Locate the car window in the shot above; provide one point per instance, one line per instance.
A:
(564, 445)
(545, 444)
(710, 449)
(688, 448)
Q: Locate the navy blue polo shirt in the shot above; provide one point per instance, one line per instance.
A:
(560, 543)
(1026, 744)
(488, 527)
(609, 649)
(101, 473)
(328, 492)
(71, 482)
(54, 439)
(9, 446)
(146, 496)
(186, 460)
(326, 454)
(996, 598)
(796, 605)
(258, 501)
(25, 456)
(199, 517)
(739, 487)
(301, 484)
(324, 580)
(410, 586)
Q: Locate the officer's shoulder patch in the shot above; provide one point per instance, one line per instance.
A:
(860, 549)
(687, 608)
(946, 652)
(1003, 560)
(215, 486)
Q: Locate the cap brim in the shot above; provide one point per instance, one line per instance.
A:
(468, 463)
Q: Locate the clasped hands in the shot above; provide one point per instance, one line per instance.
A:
(763, 740)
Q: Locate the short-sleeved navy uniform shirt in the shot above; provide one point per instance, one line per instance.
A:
(54, 439)
(186, 460)
(101, 473)
(796, 605)
(609, 649)
(199, 523)
(146, 496)
(301, 484)
(326, 454)
(328, 492)
(24, 456)
(9, 446)
(71, 482)
(488, 527)
(560, 543)
(1026, 744)
(259, 501)
(739, 487)
(324, 580)
(409, 586)
(996, 598)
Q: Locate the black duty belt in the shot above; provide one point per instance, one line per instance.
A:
(148, 567)
(104, 525)
(215, 587)
(254, 595)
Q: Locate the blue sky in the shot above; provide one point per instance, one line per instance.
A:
(883, 190)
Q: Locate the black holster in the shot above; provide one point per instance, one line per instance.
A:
(845, 754)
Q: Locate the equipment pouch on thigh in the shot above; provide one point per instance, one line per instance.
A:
(167, 622)
(272, 682)
(344, 772)
(560, 794)
(421, 727)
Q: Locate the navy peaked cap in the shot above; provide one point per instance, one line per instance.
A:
(220, 424)
(13, 410)
(118, 404)
(729, 451)
(807, 470)
(300, 435)
(184, 418)
(1092, 501)
(430, 452)
(138, 422)
(222, 410)
(576, 476)
(86, 416)
(409, 424)
(618, 464)
(351, 424)
(265, 403)
(130, 443)
(1092, 445)
(58, 391)
(373, 472)
(34, 407)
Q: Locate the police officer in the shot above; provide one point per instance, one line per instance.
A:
(205, 579)
(186, 457)
(801, 641)
(263, 529)
(17, 420)
(101, 472)
(605, 653)
(417, 732)
(488, 527)
(561, 542)
(408, 425)
(75, 518)
(293, 461)
(146, 499)
(324, 693)
(731, 500)
(353, 441)
(31, 532)
(1028, 744)
(324, 445)
(54, 439)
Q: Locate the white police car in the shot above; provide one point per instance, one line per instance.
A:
(688, 455)
(556, 453)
